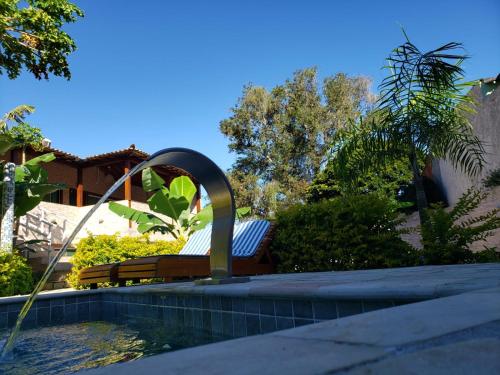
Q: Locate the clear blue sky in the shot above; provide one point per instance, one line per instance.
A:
(164, 73)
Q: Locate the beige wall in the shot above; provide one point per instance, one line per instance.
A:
(486, 124)
(65, 218)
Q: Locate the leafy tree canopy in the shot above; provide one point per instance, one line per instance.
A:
(31, 36)
(282, 136)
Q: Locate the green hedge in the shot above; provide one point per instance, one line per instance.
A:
(101, 249)
(344, 233)
(15, 275)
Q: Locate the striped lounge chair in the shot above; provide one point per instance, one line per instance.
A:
(251, 256)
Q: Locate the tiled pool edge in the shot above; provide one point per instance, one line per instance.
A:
(267, 303)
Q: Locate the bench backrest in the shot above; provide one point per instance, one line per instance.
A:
(247, 236)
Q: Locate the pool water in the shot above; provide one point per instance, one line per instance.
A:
(69, 348)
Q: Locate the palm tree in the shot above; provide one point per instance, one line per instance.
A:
(20, 134)
(422, 114)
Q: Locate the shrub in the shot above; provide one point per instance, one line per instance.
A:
(448, 235)
(15, 275)
(101, 249)
(345, 233)
(493, 179)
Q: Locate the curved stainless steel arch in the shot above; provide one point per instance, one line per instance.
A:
(220, 193)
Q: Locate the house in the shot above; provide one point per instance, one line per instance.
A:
(87, 180)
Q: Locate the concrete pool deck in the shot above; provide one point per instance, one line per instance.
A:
(453, 326)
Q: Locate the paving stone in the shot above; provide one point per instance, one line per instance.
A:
(471, 357)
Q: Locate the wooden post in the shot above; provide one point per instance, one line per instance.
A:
(79, 187)
(128, 188)
(198, 198)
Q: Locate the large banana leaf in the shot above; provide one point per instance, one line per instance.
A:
(164, 204)
(151, 181)
(28, 195)
(183, 187)
(146, 222)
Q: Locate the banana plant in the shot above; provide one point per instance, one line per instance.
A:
(31, 184)
(174, 202)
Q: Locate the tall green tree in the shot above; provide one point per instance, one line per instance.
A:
(31, 36)
(282, 136)
(423, 113)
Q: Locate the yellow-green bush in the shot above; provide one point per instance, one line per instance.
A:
(101, 249)
(15, 275)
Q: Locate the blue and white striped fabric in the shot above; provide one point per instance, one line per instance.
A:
(247, 237)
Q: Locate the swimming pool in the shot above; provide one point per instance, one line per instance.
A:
(68, 348)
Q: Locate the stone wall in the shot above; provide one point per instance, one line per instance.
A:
(486, 124)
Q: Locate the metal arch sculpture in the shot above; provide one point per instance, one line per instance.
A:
(221, 195)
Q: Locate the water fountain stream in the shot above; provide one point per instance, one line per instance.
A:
(220, 193)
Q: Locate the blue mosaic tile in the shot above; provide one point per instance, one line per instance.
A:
(94, 297)
(284, 323)
(4, 308)
(86, 299)
(83, 311)
(207, 320)
(239, 325)
(71, 313)
(181, 301)
(347, 308)
(215, 303)
(302, 309)
(196, 302)
(216, 317)
(226, 304)
(169, 316)
(252, 306)
(57, 314)
(205, 303)
(108, 310)
(198, 318)
(180, 317)
(12, 318)
(57, 302)
(376, 305)
(43, 316)
(283, 308)
(70, 300)
(227, 324)
(238, 304)
(302, 322)
(325, 310)
(15, 307)
(42, 303)
(170, 300)
(253, 325)
(188, 318)
(267, 324)
(95, 310)
(4, 319)
(267, 307)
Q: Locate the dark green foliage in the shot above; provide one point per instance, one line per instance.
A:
(493, 178)
(31, 36)
(448, 235)
(282, 136)
(389, 179)
(102, 249)
(15, 275)
(344, 233)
